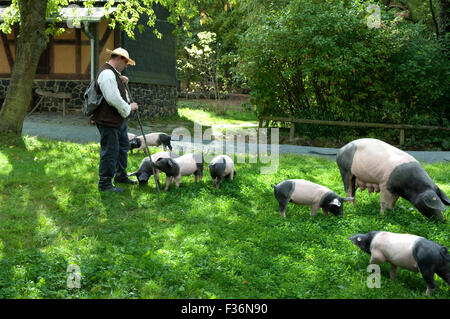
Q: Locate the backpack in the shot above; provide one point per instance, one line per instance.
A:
(92, 99)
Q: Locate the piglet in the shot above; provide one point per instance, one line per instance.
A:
(145, 169)
(380, 167)
(302, 192)
(153, 139)
(221, 166)
(182, 166)
(411, 252)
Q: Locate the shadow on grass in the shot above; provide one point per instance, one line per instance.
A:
(21, 236)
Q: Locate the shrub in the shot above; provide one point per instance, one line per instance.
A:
(319, 60)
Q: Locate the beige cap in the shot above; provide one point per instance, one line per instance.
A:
(122, 53)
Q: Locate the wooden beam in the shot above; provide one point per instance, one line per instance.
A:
(70, 41)
(105, 37)
(355, 124)
(117, 38)
(51, 56)
(78, 51)
(7, 50)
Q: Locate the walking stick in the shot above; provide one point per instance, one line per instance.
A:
(145, 140)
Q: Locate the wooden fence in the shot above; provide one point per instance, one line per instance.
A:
(401, 127)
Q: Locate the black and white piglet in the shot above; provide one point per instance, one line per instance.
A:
(221, 166)
(153, 139)
(145, 169)
(302, 192)
(411, 252)
(185, 165)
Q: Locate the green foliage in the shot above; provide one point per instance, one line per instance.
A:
(191, 242)
(319, 60)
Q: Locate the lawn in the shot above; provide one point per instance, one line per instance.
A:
(191, 242)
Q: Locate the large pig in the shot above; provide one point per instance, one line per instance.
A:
(153, 139)
(145, 170)
(302, 192)
(221, 166)
(182, 166)
(382, 167)
(411, 252)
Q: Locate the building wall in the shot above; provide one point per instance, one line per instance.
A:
(63, 50)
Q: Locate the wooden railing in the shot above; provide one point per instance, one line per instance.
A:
(401, 127)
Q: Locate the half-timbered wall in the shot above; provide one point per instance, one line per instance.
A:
(68, 56)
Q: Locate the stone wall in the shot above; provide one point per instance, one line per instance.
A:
(154, 100)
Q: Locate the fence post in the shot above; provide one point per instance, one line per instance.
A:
(292, 132)
(260, 122)
(402, 136)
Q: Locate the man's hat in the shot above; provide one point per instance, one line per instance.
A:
(122, 53)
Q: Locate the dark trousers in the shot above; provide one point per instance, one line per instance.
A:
(114, 146)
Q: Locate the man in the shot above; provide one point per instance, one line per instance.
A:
(110, 119)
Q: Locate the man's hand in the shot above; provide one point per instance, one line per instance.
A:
(134, 106)
(124, 79)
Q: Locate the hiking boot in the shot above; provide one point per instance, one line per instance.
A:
(125, 180)
(111, 189)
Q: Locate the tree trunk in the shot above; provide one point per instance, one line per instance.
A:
(30, 43)
(444, 17)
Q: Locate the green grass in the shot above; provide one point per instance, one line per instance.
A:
(209, 118)
(191, 242)
(207, 114)
(221, 112)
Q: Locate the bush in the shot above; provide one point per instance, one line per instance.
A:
(319, 60)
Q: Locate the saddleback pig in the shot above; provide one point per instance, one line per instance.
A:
(411, 252)
(153, 139)
(181, 166)
(145, 169)
(221, 166)
(302, 192)
(380, 167)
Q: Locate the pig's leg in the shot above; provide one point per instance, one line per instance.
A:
(282, 205)
(428, 276)
(168, 178)
(325, 212)
(314, 209)
(177, 181)
(387, 200)
(393, 272)
(157, 175)
(351, 188)
(444, 275)
(377, 257)
(427, 270)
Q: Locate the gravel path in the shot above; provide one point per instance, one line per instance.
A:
(75, 127)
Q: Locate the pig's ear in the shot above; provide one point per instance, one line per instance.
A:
(443, 197)
(348, 199)
(170, 162)
(432, 201)
(335, 202)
